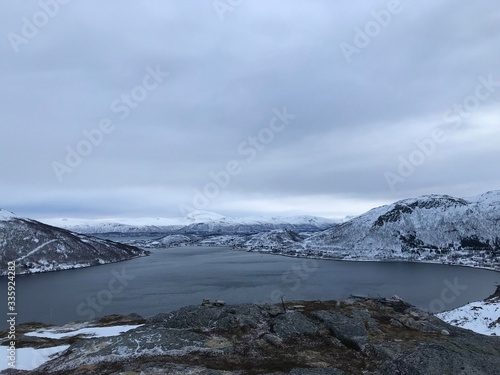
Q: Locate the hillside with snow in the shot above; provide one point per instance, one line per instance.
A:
(118, 226)
(196, 223)
(436, 228)
(429, 222)
(273, 240)
(482, 317)
(431, 228)
(37, 247)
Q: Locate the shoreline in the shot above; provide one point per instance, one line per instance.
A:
(368, 260)
(296, 255)
(77, 267)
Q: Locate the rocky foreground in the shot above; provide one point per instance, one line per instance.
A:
(353, 336)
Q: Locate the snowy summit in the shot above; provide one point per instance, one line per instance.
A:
(6, 215)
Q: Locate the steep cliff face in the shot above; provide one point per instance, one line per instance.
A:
(37, 247)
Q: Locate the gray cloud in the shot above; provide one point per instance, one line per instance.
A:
(353, 120)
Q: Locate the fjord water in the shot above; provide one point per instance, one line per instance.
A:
(176, 277)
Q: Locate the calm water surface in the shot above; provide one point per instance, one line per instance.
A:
(172, 278)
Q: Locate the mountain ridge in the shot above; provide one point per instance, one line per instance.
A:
(38, 247)
(197, 222)
(430, 228)
(469, 222)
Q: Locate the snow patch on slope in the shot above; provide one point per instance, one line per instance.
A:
(35, 250)
(481, 317)
(61, 332)
(6, 215)
(29, 359)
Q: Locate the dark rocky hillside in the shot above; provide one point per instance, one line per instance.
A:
(37, 247)
(355, 336)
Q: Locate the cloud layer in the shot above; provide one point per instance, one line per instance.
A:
(410, 68)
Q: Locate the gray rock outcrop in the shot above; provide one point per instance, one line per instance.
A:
(354, 336)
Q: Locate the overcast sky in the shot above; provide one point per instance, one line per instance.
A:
(122, 108)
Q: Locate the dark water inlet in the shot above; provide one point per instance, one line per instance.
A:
(172, 278)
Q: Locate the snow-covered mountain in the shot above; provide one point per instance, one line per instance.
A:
(38, 247)
(482, 317)
(172, 240)
(117, 226)
(432, 227)
(196, 223)
(249, 225)
(273, 240)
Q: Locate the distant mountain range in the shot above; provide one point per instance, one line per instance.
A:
(196, 223)
(37, 247)
(431, 228)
